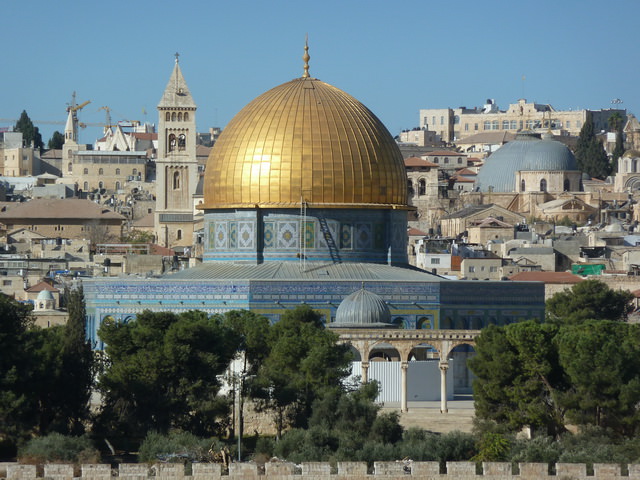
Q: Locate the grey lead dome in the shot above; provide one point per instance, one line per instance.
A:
(363, 309)
(526, 153)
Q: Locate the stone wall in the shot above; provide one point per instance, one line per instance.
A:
(321, 471)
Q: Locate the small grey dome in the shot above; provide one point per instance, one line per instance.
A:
(363, 309)
(45, 295)
(526, 153)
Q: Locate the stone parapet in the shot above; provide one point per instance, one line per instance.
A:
(404, 470)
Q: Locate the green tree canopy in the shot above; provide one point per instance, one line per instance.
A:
(602, 362)
(616, 124)
(590, 154)
(56, 141)
(45, 374)
(30, 133)
(162, 373)
(517, 377)
(304, 359)
(15, 408)
(589, 299)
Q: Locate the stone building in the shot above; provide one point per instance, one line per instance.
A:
(176, 164)
(453, 124)
(628, 177)
(17, 160)
(66, 218)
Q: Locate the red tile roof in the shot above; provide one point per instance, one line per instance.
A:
(38, 287)
(418, 162)
(145, 136)
(414, 232)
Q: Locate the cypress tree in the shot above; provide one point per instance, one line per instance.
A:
(590, 154)
(30, 133)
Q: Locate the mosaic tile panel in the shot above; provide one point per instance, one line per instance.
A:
(233, 234)
(211, 236)
(246, 235)
(364, 236)
(398, 235)
(287, 235)
(378, 235)
(269, 234)
(309, 234)
(346, 236)
(221, 240)
(333, 227)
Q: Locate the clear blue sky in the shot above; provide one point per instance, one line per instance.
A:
(394, 56)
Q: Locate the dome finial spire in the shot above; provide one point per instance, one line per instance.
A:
(306, 57)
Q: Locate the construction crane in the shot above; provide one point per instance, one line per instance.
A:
(107, 125)
(73, 108)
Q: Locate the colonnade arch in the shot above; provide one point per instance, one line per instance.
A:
(442, 344)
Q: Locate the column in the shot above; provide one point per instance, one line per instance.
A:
(365, 372)
(403, 395)
(443, 387)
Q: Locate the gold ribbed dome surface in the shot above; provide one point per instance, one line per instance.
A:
(305, 139)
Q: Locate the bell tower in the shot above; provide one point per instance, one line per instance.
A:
(176, 165)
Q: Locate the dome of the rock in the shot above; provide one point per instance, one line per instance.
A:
(305, 140)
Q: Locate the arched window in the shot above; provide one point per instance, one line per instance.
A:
(422, 187)
(176, 180)
(86, 171)
(634, 166)
(543, 185)
(182, 141)
(399, 322)
(172, 142)
(522, 185)
(424, 323)
(70, 166)
(117, 171)
(173, 117)
(117, 185)
(179, 235)
(100, 185)
(167, 116)
(567, 185)
(85, 186)
(180, 116)
(101, 171)
(134, 171)
(410, 187)
(186, 116)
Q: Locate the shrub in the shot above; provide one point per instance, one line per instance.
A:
(419, 445)
(56, 447)
(265, 446)
(537, 450)
(177, 446)
(456, 447)
(386, 428)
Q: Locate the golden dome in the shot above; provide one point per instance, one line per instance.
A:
(305, 139)
(631, 154)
